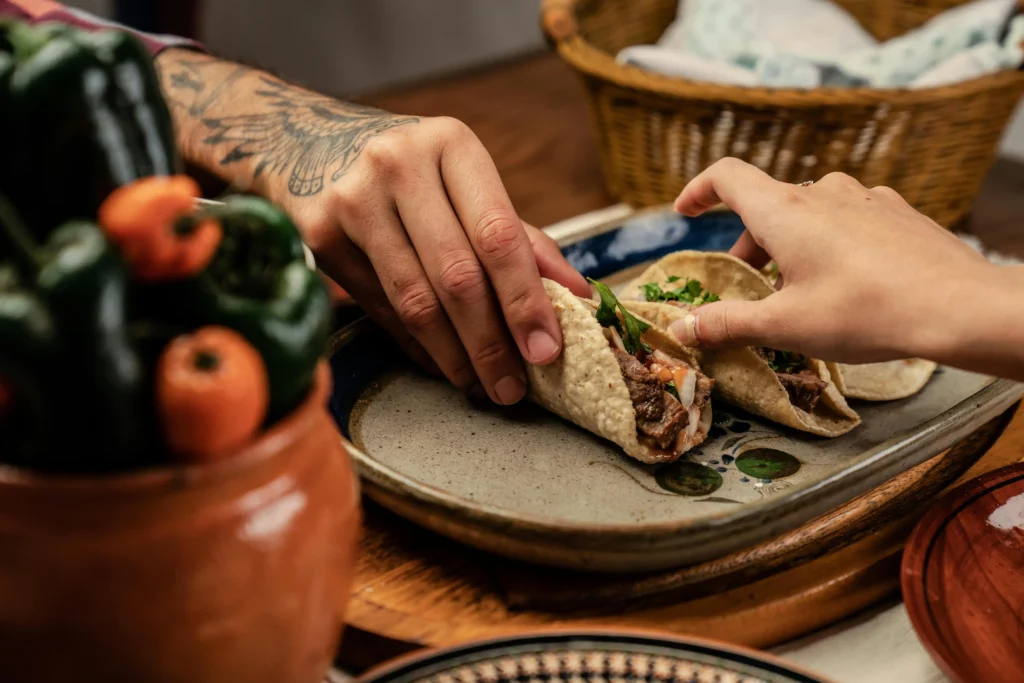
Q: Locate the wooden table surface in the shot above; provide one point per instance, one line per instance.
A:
(532, 116)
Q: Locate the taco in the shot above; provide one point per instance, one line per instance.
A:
(785, 387)
(886, 381)
(623, 379)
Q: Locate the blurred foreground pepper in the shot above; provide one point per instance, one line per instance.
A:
(211, 393)
(259, 285)
(154, 223)
(84, 114)
(103, 403)
(28, 359)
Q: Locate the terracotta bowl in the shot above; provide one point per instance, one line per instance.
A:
(237, 571)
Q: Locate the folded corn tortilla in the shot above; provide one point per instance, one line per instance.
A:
(585, 384)
(742, 377)
(887, 381)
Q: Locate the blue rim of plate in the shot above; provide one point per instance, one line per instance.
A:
(747, 663)
(648, 236)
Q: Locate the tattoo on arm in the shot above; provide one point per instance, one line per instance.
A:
(287, 131)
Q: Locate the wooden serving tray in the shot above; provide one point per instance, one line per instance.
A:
(415, 589)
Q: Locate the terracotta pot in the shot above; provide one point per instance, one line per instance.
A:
(237, 571)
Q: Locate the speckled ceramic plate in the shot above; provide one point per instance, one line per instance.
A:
(523, 483)
(590, 657)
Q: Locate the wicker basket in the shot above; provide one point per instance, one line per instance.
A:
(657, 132)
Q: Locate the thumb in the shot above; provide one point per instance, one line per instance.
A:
(725, 324)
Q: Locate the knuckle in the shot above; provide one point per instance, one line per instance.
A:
(461, 276)
(726, 325)
(323, 236)
(728, 164)
(522, 305)
(385, 154)
(418, 308)
(451, 129)
(351, 203)
(839, 179)
(498, 235)
(888, 192)
(489, 352)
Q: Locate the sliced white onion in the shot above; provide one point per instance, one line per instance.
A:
(667, 360)
(687, 388)
(691, 426)
(616, 339)
(682, 441)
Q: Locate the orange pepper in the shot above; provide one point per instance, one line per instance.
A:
(211, 393)
(156, 226)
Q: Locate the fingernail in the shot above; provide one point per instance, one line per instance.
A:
(685, 330)
(540, 347)
(510, 390)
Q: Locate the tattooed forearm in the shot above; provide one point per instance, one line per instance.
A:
(247, 126)
(306, 136)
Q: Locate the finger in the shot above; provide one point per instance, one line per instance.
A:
(890, 195)
(737, 184)
(747, 249)
(501, 244)
(383, 240)
(349, 266)
(729, 324)
(461, 283)
(552, 264)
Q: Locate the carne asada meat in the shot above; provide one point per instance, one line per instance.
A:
(660, 417)
(703, 391)
(804, 388)
(664, 430)
(644, 388)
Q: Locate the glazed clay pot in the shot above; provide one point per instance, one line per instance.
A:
(233, 572)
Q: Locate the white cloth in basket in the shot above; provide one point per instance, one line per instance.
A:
(810, 43)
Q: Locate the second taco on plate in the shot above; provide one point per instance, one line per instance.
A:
(787, 388)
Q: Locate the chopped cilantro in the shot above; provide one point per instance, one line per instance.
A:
(629, 328)
(787, 361)
(652, 292)
(692, 292)
(670, 387)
